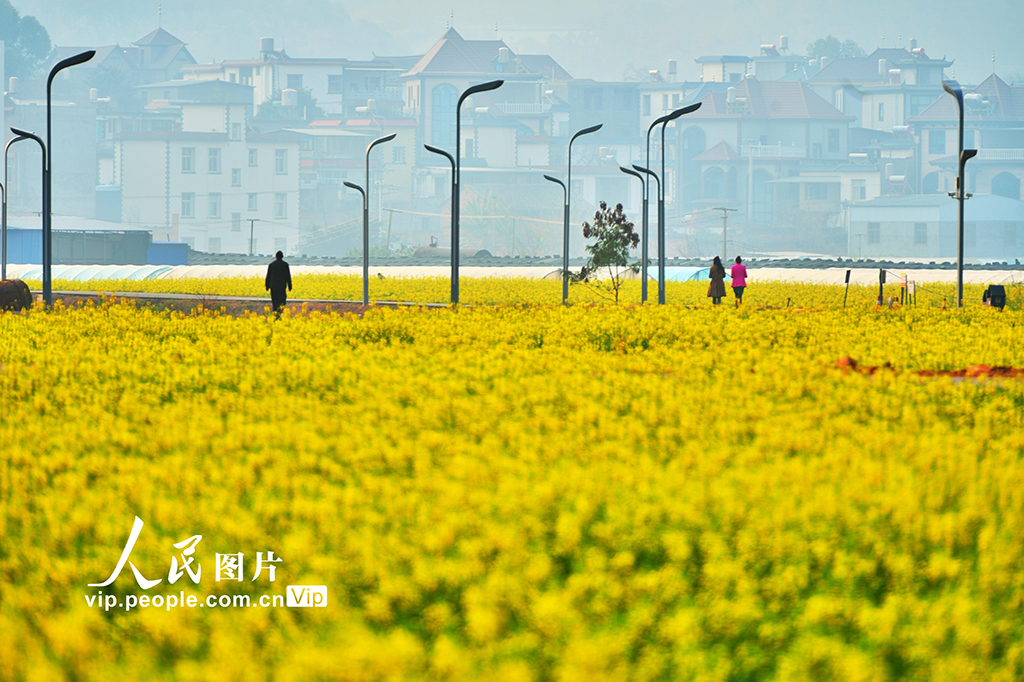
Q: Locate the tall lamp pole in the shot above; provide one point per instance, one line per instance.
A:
(963, 156)
(366, 217)
(75, 60)
(366, 213)
(565, 224)
(657, 180)
(454, 210)
(664, 121)
(568, 205)
(3, 210)
(25, 135)
(643, 193)
(456, 242)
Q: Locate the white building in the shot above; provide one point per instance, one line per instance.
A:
(210, 181)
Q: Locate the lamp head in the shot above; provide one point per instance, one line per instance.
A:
(75, 60)
(481, 87)
(353, 186)
(591, 129)
(630, 171)
(22, 133)
(641, 169)
(953, 88)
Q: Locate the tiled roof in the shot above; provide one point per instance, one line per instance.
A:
(772, 100)
(1006, 103)
(451, 54)
(158, 37)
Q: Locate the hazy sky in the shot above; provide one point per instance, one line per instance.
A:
(600, 39)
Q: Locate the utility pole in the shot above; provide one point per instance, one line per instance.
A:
(252, 227)
(725, 225)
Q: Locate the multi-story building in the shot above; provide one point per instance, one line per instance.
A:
(994, 125)
(339, 86)
(737, 146)
(210, 181)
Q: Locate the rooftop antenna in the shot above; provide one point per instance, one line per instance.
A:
(883, 39)
(993, 63)
(451, 19)
(159, 16)
(496, 31)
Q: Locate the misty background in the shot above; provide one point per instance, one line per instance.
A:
(599, 39)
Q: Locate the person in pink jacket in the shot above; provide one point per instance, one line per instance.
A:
(738, 273)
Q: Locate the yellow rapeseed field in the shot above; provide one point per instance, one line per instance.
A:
(516, 492)
(520, 290)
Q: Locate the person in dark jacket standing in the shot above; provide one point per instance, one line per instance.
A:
(278, 277)
(716, 273)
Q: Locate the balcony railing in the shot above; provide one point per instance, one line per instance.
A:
(516, 108)
(772, 151)
(1002, 154)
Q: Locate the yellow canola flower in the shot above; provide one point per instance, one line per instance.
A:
(518, 492)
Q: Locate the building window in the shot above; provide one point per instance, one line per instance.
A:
(833, 140)
(398, 155)
(874, 233)
(214, 166)
(236, 177)
(280, 205)
(647, 105)
(920, 233)
(188, 205)
(816, 192)
(937, 142)
(858, 190)
(840, 100)
(881, 111)
(334, 85)
(213, 243)
(253, 157)
(664, 102)
(236, 222)
(236, 131)
(295, 81)
(816, 150)
(214, 205)
(281, 161)
(188, 160)
(252, 201)
(593, 99)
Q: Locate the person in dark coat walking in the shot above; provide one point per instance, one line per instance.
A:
(716, 273)
(278, 277)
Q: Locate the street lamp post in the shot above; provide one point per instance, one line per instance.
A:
(664, 121)
(3, 210)
(963, 156)
(470, 91)
(565, 224)
(568, 204)
(25, 135)
(366, 216)
(75, 60)
(454, 210)
(643, 193)
(366, 213)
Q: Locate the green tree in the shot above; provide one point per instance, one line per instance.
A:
(26, 42)
(833, 48)
(613, 237)
(306, 107)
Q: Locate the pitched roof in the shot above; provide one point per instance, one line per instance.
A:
(769, 99)
(102, 55)
(720, 152)
(451, 54)
(158, 37)
(1004, 103)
